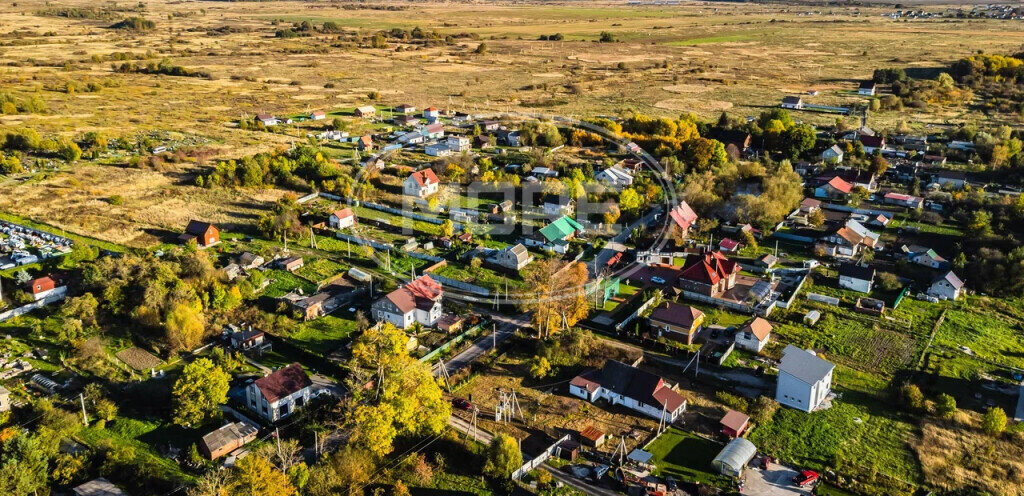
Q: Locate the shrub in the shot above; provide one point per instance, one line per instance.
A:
(732, 401)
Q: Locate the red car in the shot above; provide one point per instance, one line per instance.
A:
(805, 478)
(462, 404)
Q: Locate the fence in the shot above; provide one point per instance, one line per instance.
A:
(794, 237)
(57, 295)
(464, 286)
(539, 459)
(636, 313)
(395, 211)
(452, 342)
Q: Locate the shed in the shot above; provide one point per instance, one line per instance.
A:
(568, 450)
(812, 317)
(734, 457)
(640, 456)
(592, 436)
(734, 423)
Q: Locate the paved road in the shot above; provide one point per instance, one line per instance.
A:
(485, 437)
(776, 481)
(506, 327)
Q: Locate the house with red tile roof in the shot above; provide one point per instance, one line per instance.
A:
(638, 390)
(419, 301)
(683, 216)
(754, 335)
(710, 274)
(835, 189)
(421, 184)
(279, 394)
(342, 219)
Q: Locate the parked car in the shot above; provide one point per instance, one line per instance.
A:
(805, 478)
(462, 404)
(657, 280)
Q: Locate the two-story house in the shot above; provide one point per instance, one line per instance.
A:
(514, 257)
(279, 394)
(421, 184)
(805, 380)
(710, 274)
(677, 321)
(753, 335)
(419, 301)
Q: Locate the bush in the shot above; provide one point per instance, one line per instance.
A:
(911, 398)
(732, 401)
(945, 407)
(889, 281)
(994, 421)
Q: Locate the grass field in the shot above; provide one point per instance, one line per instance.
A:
(323, 335)
(686, 456)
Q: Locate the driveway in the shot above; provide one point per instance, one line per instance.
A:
(505, 327)
(776, 481)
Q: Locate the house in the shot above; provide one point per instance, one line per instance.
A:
(558, 205)
(858, 178)
(227, 439)
(856, 277)
(514, 257)
(677, 321)
(291, 264)
(809, 206)
(556, 235)
(482, 141)
(249, 340)
(792, 102)
(909, 201)
(419, 301)
(449, 323)
(365, 143)
(848, 241)
(405, 120)
(431, 114)
(767, 261)
(804, 379)
(204, 234)
(365, 111)
(433, 131)
(835, 189)
(753, 335)
(872, 143)
(710, 274)
(309, 307)
(507, 137)
(421, 184)
(683, 216)
(342, 219)
(540, 172)
(880, 220)
(98, 487)
(832, 154)
(622, 384)
(405, 109)
(43, 287)
(411, 138)
(279, 394)
(728, 245)
(490, 125)
(268, 120)
(249, 261)
(440, 149)
(458, 143)
(867, 88)
(734, 423)
(318, 115)
(950, 179)
(925, 256)
(946, 287)
(615, 176)
(5, 399)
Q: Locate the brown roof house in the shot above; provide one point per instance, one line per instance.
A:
(676, 321)
(419, 301)
(279, 394)
(754, 335)
(227, 439)
(204, 234)
(630, 387)
(710, 274)
(734, 423)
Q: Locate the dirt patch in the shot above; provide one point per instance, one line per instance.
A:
(139, 359)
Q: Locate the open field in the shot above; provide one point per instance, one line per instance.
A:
(666, 60)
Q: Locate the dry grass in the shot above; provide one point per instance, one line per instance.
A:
(956, 455)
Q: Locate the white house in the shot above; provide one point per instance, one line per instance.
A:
(440, 149)
(558, 205)
(856, 277)
(431, 114)
(458, 143)
(279, 394)
(754, 335)
(318, 115)
(45, 287)
(621, 384)
(421, 184)
(867, 88)
(832, 154)
(804, 379)
(792, 102)
(268, 119)
(514, 257)
(342, 219)
(947, 287)
(418, 301)
(615, 176)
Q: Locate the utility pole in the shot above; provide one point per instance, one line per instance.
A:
(85, 419)
(277, 434)
(444, 374)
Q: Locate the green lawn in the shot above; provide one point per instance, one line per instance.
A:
(320, 270)
(325, 334)
(283, 282)
(687, 457)
(142, 436)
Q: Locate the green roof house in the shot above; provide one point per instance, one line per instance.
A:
(556, 235)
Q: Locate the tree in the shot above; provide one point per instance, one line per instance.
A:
(816, 218)
(945, 407)
(979, 224)
(200, 389)
(607, 37)
(185, 326)
(503, 457)
(405, 399)
(23, 465)
(69, 151)
(539, 367)
(447, 228)
(911, 397)
(889, 281)
(557, 299)
(255, 476)
(993, 422)
(630, 200)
